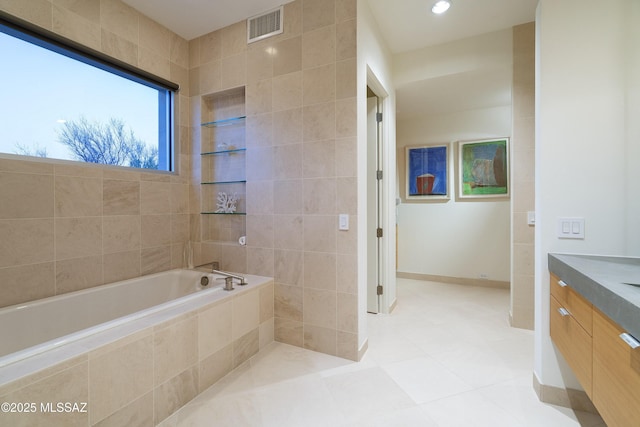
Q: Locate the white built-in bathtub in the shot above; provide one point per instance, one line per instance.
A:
(49, 334)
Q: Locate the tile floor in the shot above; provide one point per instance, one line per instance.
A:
(445, 357)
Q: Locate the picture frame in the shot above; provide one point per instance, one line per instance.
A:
(483, 169)
(427, 172)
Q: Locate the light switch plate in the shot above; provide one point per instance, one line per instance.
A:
(343, 222)
(570, 228)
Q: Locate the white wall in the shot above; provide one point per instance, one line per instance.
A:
(374, 58)
(583, 141)
(464, 239)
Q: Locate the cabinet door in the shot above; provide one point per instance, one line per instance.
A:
(577, 305)
(574, 343)
(616, 374)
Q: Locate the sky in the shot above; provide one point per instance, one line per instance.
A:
(43, 88)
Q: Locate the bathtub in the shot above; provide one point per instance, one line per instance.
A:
(165, 317)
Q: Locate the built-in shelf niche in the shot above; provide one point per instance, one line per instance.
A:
(223, 161)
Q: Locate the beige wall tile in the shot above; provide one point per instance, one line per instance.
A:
(154, 37)
(119, 376)
(346, 9)
(173, 394)
(259, 163)
(346, 164)
(348, 239)
(209, 47)
(75, 27)
(155, 198)
(320, 196)
(287, 127)
(27, 241)
(119, 48)
(287, 196)
(347, 313)
(245, 347)
(77, 237)
(319, 47)
(319, 159)
(38, 12)
(120, 197)
(317, 14)
(347, 195)
(78, 273)
(287, 91)
(179, 228)
(26, 195)
(261, 231)
(346, 79)
(259, 130)
(120, 19)
(26, 283)
(84, 170)
(76, 196)
(320, 309)
(288, 331)
(234, 39)
(175, 349)
(347, 346)
(69, 385)
(347, 273)
(214, 329)
(266, 302)
(266, 333)
(289, 232)
(155, 260)
(233, 71)
(288, 302)
(293, 18)
(288, 58)
(320, 233)
(260, 61)
(121, 265)
(319, 84)
(320, 339)
(138, 413)
(346, 40)
(260, 197)
(319, 122)
(287, 162)
(210, 78)
(320, 271)
(259, 97)
(121, 233)
(23, 166)
(216, 366)
(245, 314)
(155, 230)
(346, 118)
(288, 267)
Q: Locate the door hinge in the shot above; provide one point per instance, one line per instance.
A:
(379, 232)
(378, 117)
(379, 175)
(379, 290)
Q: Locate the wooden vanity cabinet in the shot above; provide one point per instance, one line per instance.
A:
(616, 374)
(571, 329)
(606, 366)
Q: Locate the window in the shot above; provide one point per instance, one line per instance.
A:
(63, 101)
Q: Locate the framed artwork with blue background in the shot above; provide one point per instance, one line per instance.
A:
(427, 172)
(483, 168)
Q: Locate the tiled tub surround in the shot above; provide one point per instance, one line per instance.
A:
(140, 372)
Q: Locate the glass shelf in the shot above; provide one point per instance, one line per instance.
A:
(215, 153)
(224, 122)
(223, 182)
(223, 213)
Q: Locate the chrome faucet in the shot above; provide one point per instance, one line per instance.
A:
(228, 275)
(228, 283)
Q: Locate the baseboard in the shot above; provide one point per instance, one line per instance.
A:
(566, 397)
(455, 280)
(363, 349)
(393, 305)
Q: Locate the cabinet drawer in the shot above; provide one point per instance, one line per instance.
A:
(574, 342)
(616, 374)
(578, 306)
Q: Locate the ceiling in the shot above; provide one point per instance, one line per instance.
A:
(406, 25)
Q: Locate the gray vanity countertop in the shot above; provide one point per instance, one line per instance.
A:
(602, 281)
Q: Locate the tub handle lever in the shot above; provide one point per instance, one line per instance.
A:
(228, 275)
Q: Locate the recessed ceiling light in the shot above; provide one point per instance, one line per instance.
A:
(441, 7)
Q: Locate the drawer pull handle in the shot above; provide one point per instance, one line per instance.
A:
(562, 283)
(631, 341)
(564, 312)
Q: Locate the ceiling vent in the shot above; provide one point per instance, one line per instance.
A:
(265, 25)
